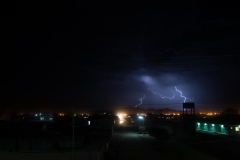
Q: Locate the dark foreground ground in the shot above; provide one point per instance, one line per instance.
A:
(219, 146)
(127, 144)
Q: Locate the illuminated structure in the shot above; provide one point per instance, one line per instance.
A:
(228, 129)
(223, 124)
(45, 116)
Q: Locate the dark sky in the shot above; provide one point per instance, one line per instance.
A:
(64, 53)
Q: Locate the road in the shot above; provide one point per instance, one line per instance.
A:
(128, 144)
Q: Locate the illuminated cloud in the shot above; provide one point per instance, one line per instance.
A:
(148, 80)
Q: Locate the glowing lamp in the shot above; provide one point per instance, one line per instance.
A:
(140, 117)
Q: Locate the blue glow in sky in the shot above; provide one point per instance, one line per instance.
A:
(148, 80)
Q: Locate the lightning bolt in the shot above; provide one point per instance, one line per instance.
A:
(185, 98)
(140, 99)
(163, 96)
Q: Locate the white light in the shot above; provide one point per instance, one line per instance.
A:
(120, 116)
(89, 123)
(140, 117)
(36, 115)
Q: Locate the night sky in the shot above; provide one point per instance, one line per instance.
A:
(64, 53)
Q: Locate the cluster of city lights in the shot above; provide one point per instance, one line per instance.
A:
(175, 114)
(210, 113)
(141, 114)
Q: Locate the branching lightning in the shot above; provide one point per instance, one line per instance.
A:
(140, 99)
(162, 95)
(185, 98)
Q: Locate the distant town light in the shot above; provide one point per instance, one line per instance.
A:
(198, 123)
(205, 124)
(36, 115)
(89, 123)
(222, 125)
(120, 116)
(213, 125)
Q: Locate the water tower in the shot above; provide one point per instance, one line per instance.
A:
(189, 116)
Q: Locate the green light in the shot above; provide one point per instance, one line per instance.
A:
(205, 124)
(213, 125)
(222, 126)
(198, 123)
